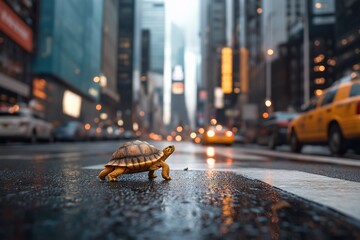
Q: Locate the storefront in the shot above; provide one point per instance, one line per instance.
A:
(60, 102)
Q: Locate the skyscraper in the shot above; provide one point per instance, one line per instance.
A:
(347, 37)
(152, 19)
(153, 26)
(17, 31)
(179, 113)
(110, 98)
(68, 58)
(128, 68)
(215, 33)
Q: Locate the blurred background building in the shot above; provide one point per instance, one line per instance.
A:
(117, 61)
(126, 64)
(68, 59)
(153, 28)
(347, 37)
(18, 34)
(179, 113)
(283, 53)
(109, 97)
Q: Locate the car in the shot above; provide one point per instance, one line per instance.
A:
(332, 118)
(240, 137)
(22, 123)
(129, 134)
(111, 132)
(218, 135)
(272, 131)
(71, 131)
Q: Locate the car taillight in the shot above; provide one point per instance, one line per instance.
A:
(282, 123)
(358, 108)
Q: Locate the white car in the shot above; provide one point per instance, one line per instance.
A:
(23, 124)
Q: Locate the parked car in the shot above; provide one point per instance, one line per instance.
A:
(128, 135)
(272, 131)
(93, 134)
(71, 131)
(218, 135)
(111, 132)
(332, 118)
(240, 137)
(20, 123)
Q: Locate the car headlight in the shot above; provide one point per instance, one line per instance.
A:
(210, 133)
(229, 133)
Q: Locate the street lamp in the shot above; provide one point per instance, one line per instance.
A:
(270, 52)
(268, 103)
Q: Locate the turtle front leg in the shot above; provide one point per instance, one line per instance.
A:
(165, 171)
(152, 174)
(114, 174)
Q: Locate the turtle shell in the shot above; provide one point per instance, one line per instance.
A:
(136, 154)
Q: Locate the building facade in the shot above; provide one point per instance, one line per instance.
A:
(311, 48)
(109, 97)
(347, 37)
(17, 46)
(129, 63)
(67, 60)
(152, 19)
(153, 57)
(253, 44)
(215, 35)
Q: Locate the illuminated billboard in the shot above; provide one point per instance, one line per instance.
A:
(226, 70)
(177, 87)
(15, 27)
(178, 73)
(71, 104)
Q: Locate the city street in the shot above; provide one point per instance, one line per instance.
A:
(51, 191)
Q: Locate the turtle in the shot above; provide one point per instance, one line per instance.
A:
(137, 156)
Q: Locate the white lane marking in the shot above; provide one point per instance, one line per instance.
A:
(301, 157)
(342, 195)
(338, 194)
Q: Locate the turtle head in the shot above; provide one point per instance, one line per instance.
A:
(168, 150)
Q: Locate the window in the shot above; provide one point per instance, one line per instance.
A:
(355, 90)
(124, 43)
(329, 97)
(124, 59)
(311, 105)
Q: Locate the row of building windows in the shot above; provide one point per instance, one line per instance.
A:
(14, 61)
(25, 9)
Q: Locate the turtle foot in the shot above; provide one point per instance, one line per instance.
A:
(101, 180)
(112, 179)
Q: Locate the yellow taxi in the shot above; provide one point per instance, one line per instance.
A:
(218, 135)
(332, 118)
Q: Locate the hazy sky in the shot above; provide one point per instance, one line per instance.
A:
(185, 14)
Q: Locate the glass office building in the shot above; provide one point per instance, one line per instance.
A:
(68, 59)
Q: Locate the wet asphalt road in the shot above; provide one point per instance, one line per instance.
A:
(45, 198)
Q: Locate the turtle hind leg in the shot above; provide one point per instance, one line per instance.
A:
(105, 172)
(114, 174)
(152, 174)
